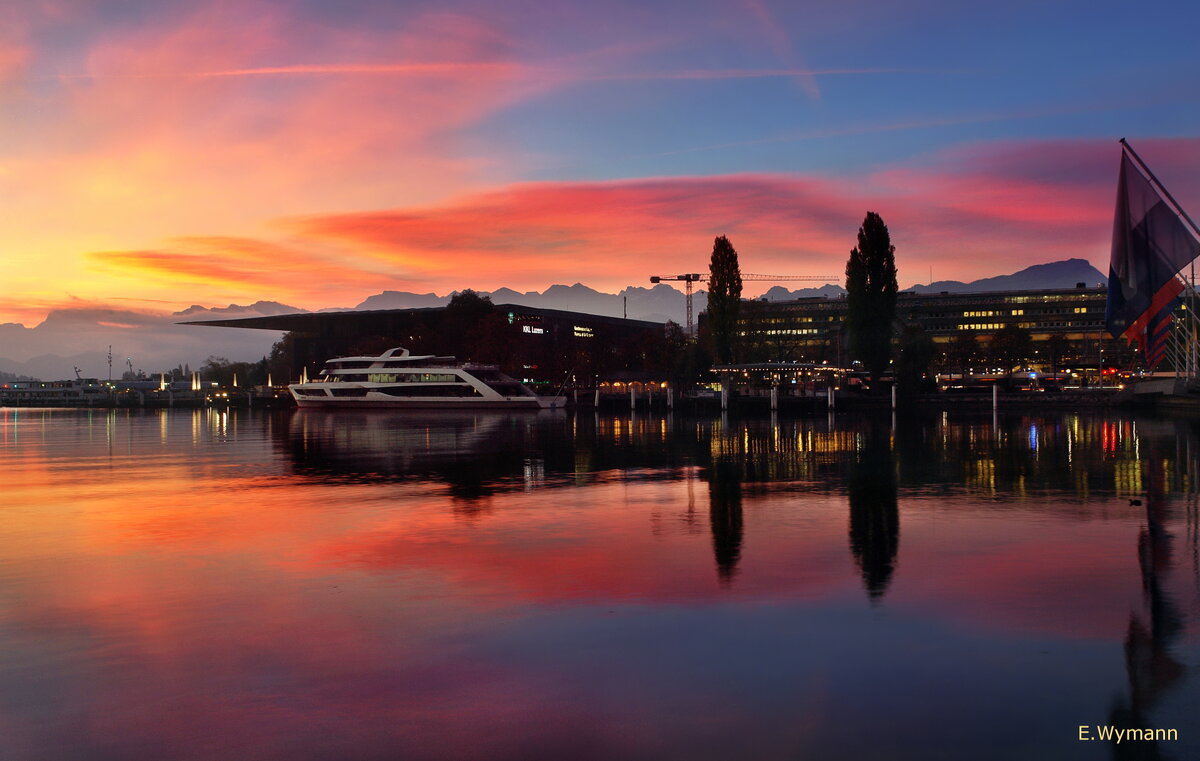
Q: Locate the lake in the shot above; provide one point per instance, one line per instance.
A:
(200, 584)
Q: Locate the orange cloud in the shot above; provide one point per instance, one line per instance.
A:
(969, 214)
(245, 268)
(255, 136)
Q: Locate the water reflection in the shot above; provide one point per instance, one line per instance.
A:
(871, 490)
(1150, 660)
(190, 585)
(725, 517)
(873, 462)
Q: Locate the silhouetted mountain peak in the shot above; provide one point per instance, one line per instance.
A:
(265, 308)
(1064, 274)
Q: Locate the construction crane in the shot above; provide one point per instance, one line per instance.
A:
(687, 279)
(696, 277)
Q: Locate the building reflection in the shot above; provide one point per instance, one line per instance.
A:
(476, 455)
(1042, 462)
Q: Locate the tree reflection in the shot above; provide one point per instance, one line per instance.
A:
(874, 514)
(725, 517)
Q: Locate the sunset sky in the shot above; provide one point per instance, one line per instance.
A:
(159, 154)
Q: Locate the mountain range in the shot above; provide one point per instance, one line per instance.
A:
(153, 341)
(662, 302)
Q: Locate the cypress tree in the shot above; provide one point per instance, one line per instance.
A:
(724, 298)
(871, 296)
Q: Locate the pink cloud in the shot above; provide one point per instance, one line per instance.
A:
(968, 213)
(597, 231)
(12, 60)
(969, 218)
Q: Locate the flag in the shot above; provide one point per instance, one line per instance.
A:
(1150, 245)
(1157, 330)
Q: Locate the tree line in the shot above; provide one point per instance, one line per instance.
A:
(871, 334)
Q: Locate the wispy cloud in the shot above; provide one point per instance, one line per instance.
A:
(718, 74)
(780, 42)
(411, 69)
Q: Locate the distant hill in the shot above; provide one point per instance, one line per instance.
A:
(257, 309)
(403, 300)
(1064, 274)
(153, 341)
(663, 302)
(658, 304)
(779, 293)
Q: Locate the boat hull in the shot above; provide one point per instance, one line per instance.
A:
(532, 403)
(398, 380)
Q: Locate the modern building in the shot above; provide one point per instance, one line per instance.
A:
(540, 345)
(1066, 326)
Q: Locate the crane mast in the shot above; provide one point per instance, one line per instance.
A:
(694, 277)
(687, 279)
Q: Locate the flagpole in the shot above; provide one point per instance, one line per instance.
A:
(1165, 193)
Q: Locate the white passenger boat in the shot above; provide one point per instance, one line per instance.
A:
(398, 379)
(81, 392)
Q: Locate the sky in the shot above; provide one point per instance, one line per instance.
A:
(159, 154)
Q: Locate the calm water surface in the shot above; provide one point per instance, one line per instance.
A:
(208, 585)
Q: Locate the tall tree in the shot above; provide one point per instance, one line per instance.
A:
(724, 299)
(871, 296)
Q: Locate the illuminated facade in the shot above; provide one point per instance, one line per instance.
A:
(812, 329)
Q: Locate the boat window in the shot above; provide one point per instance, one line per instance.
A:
(456, 390)
(348, 391)
(426, 378)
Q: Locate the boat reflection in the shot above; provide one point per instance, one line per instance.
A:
(475, 454)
